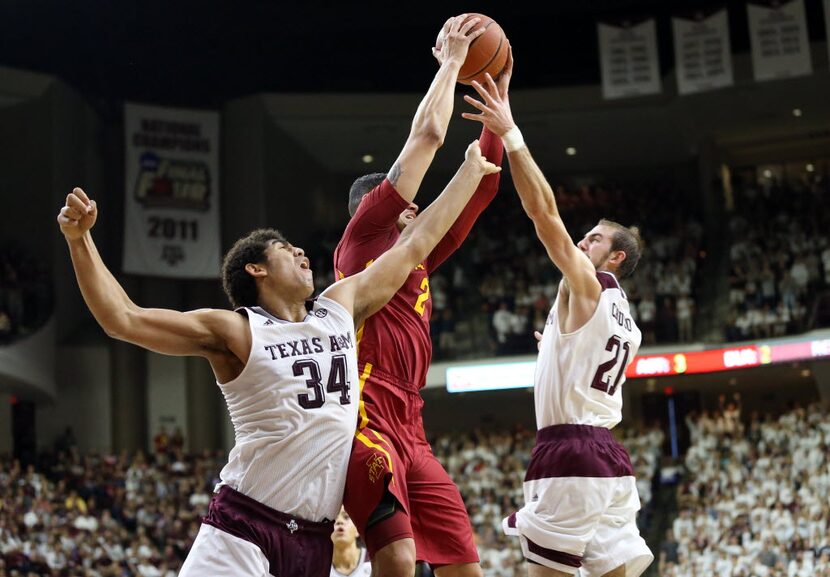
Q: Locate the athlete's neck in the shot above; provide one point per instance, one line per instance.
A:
(291, 311)
(345, 558)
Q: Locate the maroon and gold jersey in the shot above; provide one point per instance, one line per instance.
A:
(394, 343)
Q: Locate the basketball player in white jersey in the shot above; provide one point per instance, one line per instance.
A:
(287, 369)
(348, 560)
(581, 499)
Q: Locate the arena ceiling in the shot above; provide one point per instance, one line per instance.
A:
(206, 53)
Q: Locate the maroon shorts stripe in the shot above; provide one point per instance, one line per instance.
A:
(553, 555)
(577, 451)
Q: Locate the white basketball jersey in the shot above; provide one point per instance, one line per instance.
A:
(363, 569)
(579, 375)
(294, 412)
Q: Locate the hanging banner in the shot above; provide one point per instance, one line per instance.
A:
(827, 24)
(780, 45)
(172, 187)
(628, 59)
(701, 49)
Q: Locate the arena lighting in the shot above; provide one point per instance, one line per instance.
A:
(367, 158)
(810, 167)
(797, 112)
(570, 151)
(490, 377)
(516, 375)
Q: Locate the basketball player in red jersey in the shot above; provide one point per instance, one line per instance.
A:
(402, 501)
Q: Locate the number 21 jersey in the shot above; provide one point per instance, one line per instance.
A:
(579, 375)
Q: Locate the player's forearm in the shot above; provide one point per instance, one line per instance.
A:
(534, 190)
(434, 112)
(420, 237)
(491, 149)
(103, 294)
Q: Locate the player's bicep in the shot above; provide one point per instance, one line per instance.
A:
(574, 264)
(409, 169)
(193, 333)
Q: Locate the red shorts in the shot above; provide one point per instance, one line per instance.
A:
(436, 513)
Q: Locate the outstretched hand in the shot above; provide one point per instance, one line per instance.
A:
(455, 38)
(78, 214)
(474, 157)
(494, 106)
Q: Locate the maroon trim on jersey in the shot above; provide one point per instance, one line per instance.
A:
(560, 557)
(511, 521)
(292, 545)
(607, 280)
(577, 451)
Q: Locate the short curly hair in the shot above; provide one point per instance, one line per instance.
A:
(239, 286)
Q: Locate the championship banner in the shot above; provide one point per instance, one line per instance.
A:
(172, 186)
(628, 59)
(780, 45)
(701, 48)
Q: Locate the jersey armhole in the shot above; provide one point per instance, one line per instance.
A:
(336, 306)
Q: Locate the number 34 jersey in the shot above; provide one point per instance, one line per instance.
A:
(294, 411)
(579, 375)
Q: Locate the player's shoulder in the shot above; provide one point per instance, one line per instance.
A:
(219, 317)
(329, 303)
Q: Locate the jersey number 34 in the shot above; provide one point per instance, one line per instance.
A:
(338, 382)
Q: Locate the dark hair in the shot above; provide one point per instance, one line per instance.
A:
(628, 240)
(238, 284)
(361, 187)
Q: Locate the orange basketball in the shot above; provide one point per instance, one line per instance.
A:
(487, 53)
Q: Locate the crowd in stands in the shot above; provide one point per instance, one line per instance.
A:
(779, 256)
(503, 271)
(499, 287)
(94, 515)
(754, 502)
(25, 294)
(489, 466)
(490, 296)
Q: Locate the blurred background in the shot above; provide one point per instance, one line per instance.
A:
(706, 124)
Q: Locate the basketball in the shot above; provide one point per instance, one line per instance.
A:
(487, 53)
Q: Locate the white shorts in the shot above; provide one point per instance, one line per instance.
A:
(220, 554)
(586, 519)
(584, 522)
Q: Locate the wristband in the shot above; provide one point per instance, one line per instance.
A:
(513, 139)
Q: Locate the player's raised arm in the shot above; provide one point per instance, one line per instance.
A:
(198, 333)
(429, 126)
(534, 190)
(366, 292)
